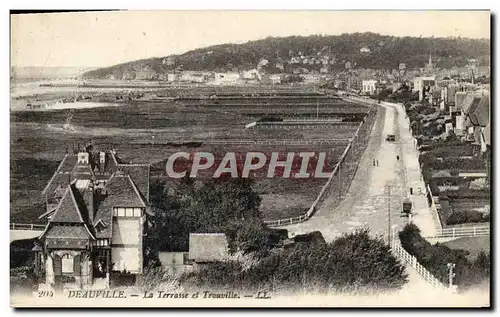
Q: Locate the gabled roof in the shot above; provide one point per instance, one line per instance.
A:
(480, 113)
(121, 192)
(486, 134)
(67, 211)
(470, 101)
(140, 176)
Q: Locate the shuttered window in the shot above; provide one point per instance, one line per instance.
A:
(76, 265)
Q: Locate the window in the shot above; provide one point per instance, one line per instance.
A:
(67, 264)
(119, 212)
(137, 212)
(129, 212)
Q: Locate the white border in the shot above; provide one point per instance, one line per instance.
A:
(190, 4)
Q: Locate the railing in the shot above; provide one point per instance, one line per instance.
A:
(253, 142)
(434, 210)
(411, 260)
(26, 226)
(312, 209)
(462, 232)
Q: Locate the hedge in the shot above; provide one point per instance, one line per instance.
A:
(436, 257)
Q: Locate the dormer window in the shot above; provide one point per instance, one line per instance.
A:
(100, 225)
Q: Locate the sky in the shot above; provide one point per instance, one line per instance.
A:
(99, 39)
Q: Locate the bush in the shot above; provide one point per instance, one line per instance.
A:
(23, 278)
(352, 263)
(436, 257)
(216, 275)
(157, 277)
(467, 216)
(253, 237)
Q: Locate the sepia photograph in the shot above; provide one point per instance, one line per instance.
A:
(250, 159)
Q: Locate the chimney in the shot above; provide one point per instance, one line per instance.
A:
(89, 201)
(102, 161)
(83, 158)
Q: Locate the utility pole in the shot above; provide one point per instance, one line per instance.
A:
(340, 179)
(389, 215)
(451, 275)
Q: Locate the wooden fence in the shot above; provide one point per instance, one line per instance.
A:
(26, 226)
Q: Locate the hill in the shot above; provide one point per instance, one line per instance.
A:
(362, 50)
(47, 72)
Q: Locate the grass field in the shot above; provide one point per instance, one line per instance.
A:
(473, 245)
(141, 130)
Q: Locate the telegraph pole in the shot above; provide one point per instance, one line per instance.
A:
(389, 216)
(340, 179)
(451, 266)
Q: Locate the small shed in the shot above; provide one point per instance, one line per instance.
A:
(208, 247)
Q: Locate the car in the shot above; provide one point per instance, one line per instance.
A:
(390, 138)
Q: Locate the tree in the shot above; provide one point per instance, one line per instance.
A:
(219, 205)
(253, 237)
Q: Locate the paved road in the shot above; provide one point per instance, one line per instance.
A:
(366, 204)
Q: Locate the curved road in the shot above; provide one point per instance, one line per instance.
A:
(366, 205)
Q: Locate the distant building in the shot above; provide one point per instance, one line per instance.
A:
(229, 78)
(275, 79)
(324, 69)
(169, 61)
(369, 86)
(312, 79)
(423, 86)
(191, 77)
(172, 77)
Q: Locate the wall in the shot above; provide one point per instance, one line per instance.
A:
(127, 244)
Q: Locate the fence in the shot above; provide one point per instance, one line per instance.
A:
(324, 189)
(251, 142)
(26, 226)
(434, 210)
(411, 260)
(462, 232)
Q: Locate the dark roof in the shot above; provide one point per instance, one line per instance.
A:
(68, 163)
(58, 179)
(67, 211)
(486, 134)
(140, 176)
(480, 113)
(69, 232)
(470, 102)
(120, 192)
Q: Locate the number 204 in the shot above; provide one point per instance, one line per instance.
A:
(45, 294)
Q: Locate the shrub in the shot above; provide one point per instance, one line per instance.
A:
(467, 216)
(353, 263)
(157, 277)
(253, 237)
(436, 257)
